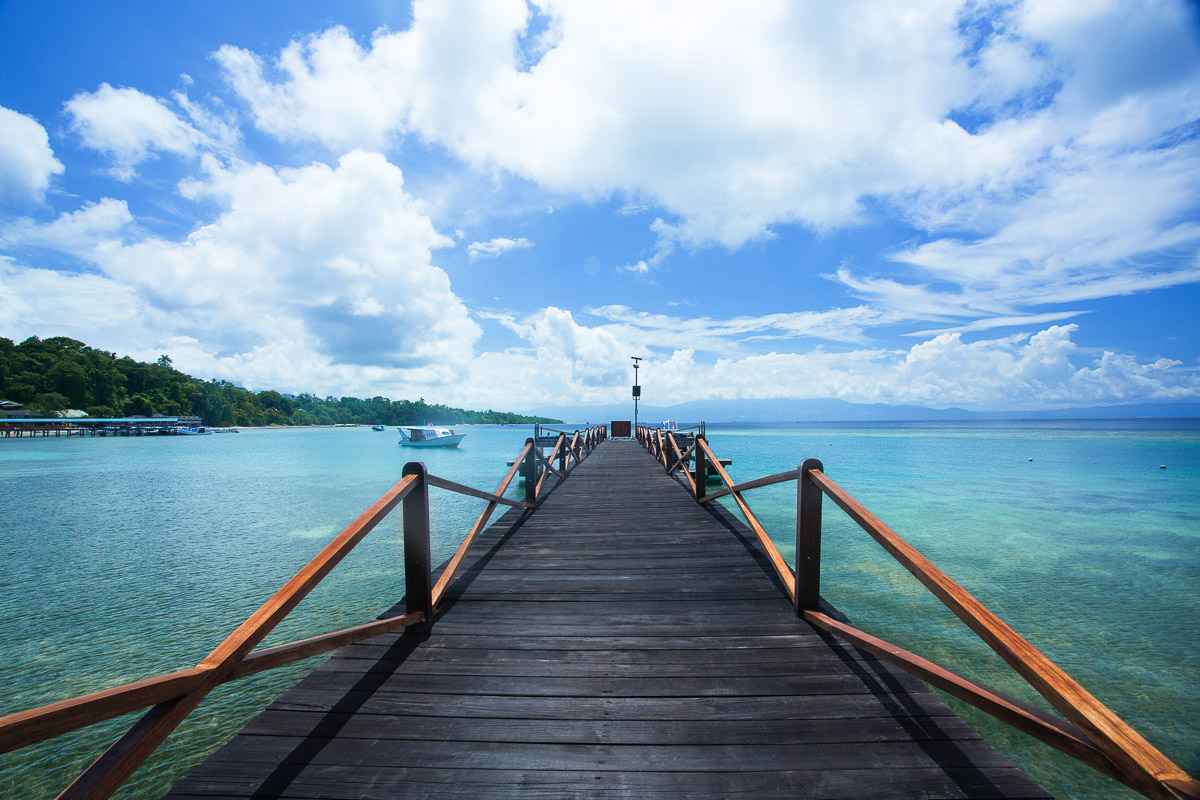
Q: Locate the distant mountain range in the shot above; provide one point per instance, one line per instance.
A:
(783, 410)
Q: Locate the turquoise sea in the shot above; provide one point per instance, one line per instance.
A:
(124, 558)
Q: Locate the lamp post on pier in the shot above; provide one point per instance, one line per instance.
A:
(637, 390)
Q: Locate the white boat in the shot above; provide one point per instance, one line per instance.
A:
(378, 428)
(197, 430)
(429, 436)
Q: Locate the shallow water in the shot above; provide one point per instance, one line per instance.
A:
(123, 558)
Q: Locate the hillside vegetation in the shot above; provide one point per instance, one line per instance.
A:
(51, 375)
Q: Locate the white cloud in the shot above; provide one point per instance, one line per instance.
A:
(729, 336)
(495, 247)
(331, 266)
(992, 323)
(1087, 224)
(664, 246)
(741, 118)
(88, 307)
(734, 119)
(26, 161)
(571, 364)
(130, 126)
(75, 232)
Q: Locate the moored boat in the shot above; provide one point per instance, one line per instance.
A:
(429, 436)
(199, 430)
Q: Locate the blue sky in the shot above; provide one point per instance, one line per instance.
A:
(495, 204)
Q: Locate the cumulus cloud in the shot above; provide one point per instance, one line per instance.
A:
(569, 362)
(495, 247)
(130, 126)
(26, 161)
(332, 260)
(971, 118)
(75, 232)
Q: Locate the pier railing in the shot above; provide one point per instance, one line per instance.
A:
(1091, 733)
(171, 697)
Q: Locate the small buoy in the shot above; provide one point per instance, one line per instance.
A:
(1031, 459)
(1162, 466)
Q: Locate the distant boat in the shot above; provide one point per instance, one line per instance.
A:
(429, 436)
(199, 430)
(378, 427)
(226, 430)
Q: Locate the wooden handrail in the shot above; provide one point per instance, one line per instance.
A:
(118, 762)
(1022, 716)
(261, 622)
(559, 442)
(547, 460)
(442, 483)
(283, 654)
(171, 697)
(45, 722)
(1140, 765)
(778, 477)
(681, 458)
(54, 719)
(1094, 734)
(781, 568)
(443, 580)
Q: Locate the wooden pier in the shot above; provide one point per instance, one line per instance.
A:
(618, 641)
(614, 634)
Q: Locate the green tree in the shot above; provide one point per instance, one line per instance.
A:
(49, 404)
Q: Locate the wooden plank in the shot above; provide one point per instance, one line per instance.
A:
(863, 705)
(347, 783)
(666, 758)
(606, 731)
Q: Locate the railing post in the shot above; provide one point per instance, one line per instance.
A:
(418, 586)
(808, 538)
(562, 453)
(529, 469)
(701, 475)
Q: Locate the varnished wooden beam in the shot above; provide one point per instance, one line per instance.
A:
(781, 567)
(443, 580)
(1140, 764)
(442, 483)
(778, 477)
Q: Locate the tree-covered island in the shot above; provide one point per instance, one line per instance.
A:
(49, 376)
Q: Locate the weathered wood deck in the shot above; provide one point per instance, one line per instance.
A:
(620, 641)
